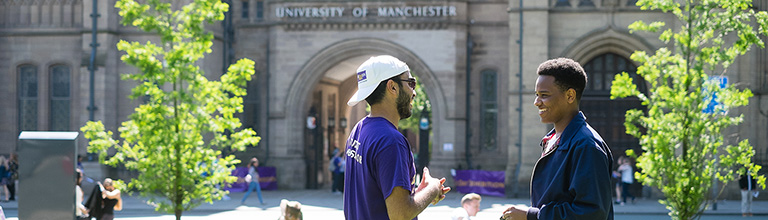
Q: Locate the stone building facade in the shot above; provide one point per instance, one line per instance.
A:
(476, 61)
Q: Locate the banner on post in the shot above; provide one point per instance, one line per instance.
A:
(479, 181)
(267, 179)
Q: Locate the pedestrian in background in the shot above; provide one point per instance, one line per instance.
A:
(470, 205)
(572, 178)
(81, 213)
(617, 177)
(253, 181)
(337, 173)
(112, 201)
(380, 173)
(80, 162)
(13, 169)
(747, 185)
(5, 177)
(627, 178)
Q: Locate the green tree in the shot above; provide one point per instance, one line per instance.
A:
(420, 104)
(683, 147)
(174, 138)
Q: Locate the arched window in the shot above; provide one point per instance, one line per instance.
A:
(60, 97)
(489, 111)
(602, 69)
(27, 96)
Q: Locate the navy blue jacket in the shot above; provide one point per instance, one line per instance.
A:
(573, 181)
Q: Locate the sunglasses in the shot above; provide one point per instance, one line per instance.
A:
(411, 82)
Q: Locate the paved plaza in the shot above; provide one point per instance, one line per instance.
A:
(322, 204)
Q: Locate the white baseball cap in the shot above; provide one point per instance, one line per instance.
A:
(372, 72)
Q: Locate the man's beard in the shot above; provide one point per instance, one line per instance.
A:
(403, 104)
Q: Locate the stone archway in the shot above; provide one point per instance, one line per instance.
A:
(607, 40)
(312, 72)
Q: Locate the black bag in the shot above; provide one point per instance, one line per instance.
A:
(95, 203)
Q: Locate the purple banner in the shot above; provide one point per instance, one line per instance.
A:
(267, 179)
(480, 182)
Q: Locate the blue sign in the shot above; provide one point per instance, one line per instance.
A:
(424, 124)
(720, 81)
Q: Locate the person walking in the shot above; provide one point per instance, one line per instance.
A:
(379, 179)
(747, 185)
(253, 181)
(337, 173)
(470, 205)
(572, 178)
(627, 178)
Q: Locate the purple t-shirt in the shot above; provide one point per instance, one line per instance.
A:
(378, 160)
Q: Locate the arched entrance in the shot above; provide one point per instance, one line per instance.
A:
(607, 116)
(324, 84)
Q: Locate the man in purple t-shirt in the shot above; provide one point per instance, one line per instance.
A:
(379, 181)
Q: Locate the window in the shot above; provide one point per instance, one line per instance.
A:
(602, 69)
(488, 110)
(252, 105)
(60, 98)
(244, 8)
(259, 10)
(27, 95)
(562, 3)
(586, 3)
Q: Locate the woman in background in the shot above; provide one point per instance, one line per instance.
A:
(81, 212)
(253, 181)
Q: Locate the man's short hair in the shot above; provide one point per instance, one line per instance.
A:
(470, 197)
(292, 208)
(568, 74)
(378, 93)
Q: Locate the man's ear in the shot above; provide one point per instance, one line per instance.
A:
(570, 94)
(392, 86)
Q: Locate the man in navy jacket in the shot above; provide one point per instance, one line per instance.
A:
(572, 178)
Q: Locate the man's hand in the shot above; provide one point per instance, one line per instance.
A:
(430, 183)
(443, 190)
(516, 212)
(404, 204)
